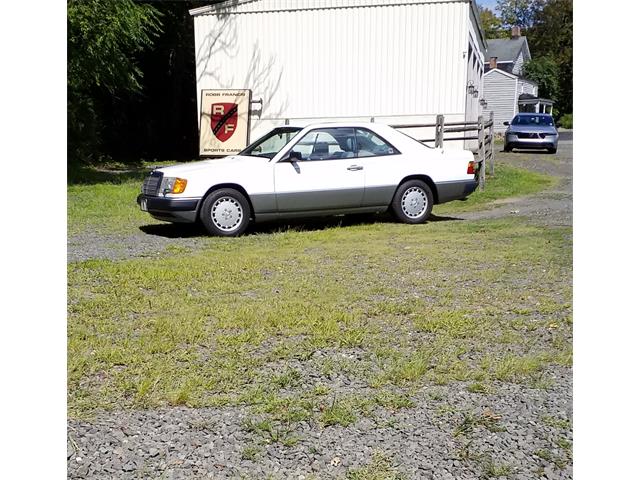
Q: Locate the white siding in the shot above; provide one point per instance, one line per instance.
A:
(400, 62)
(500, 94)
(527, 86)
(517, 65)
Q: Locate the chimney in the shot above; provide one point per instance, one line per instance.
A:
(493, 63)
(515, 32)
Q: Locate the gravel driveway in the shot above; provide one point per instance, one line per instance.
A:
(527, 429)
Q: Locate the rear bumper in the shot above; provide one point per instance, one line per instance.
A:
(456, 190)
(171, 209)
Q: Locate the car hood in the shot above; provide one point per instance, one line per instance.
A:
(232, 161)
(532, 128)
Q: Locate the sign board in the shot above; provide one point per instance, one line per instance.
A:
(224, 121)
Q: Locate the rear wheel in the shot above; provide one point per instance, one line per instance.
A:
(225, 213)
(412, 202)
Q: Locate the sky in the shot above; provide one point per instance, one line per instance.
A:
(487, 4)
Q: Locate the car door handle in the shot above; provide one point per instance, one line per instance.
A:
(354, 168)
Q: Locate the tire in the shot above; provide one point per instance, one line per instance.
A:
(507, 147)
(225, 213)
(412, 202)
(552, 150)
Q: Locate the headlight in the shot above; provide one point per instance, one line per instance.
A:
(173, 185)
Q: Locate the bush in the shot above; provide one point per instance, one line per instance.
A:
(566, 120)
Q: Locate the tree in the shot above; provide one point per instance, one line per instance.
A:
(103, 39)
(520, 13)
(492, 25)
(545, 72)
(552, 35)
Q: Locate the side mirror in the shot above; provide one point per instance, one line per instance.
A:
(293, 157)
(506, 123)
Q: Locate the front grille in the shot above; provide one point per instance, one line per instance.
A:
(151, 184)
(527, 135)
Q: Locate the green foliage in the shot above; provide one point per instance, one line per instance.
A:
(492, 25)
(522, 13)
(552, 35)
(103, 40)
(544, 71)
(566, 121)
(103, 37)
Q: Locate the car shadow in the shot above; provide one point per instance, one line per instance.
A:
(175, 230)
(193, 230)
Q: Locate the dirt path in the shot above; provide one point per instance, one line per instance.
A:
(553, 207)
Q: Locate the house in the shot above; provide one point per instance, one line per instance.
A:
(396, 61)
(506, 90)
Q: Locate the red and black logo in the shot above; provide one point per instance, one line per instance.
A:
(224, 120)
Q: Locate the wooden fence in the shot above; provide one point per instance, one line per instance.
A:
(483, 130)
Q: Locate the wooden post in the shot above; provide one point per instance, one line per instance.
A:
(439, 131)
(481, 151)
(491, 149)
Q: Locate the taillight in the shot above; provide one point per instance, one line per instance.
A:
(471, 168)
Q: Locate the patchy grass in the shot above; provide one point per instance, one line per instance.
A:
(379, 468)
(507, 182)
(197, 328)
(104, 199)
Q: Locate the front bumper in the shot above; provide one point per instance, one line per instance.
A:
(183, 210)
(549, 141)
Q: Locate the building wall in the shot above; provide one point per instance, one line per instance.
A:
(314, 61)
(527, 86)
(518, 64)
(501, 96)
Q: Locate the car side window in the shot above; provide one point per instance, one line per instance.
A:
(326, 144)
(371, 145)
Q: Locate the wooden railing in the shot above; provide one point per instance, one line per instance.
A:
(483, 130)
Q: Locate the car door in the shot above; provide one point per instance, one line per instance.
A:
(381, 163)
(324, 174)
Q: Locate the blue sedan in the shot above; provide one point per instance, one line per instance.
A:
(531, 130)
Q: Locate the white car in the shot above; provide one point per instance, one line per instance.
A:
(318, 170)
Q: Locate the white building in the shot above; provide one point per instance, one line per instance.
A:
(400, 61)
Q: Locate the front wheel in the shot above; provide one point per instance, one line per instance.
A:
(412, 202)
(507, 147)
(552, 150)
(225, 213)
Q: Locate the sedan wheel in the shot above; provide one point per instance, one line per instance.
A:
(412, 202)
(225, 213)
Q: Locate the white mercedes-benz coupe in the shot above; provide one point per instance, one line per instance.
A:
(318, 170)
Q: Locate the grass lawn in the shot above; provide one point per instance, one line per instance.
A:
(417, 305)
(272, 321)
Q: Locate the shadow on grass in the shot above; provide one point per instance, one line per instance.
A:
(175, 230)
(80, 175)
(191, 230)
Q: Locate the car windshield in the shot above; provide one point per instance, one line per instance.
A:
(538, 120)
(269, 145)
